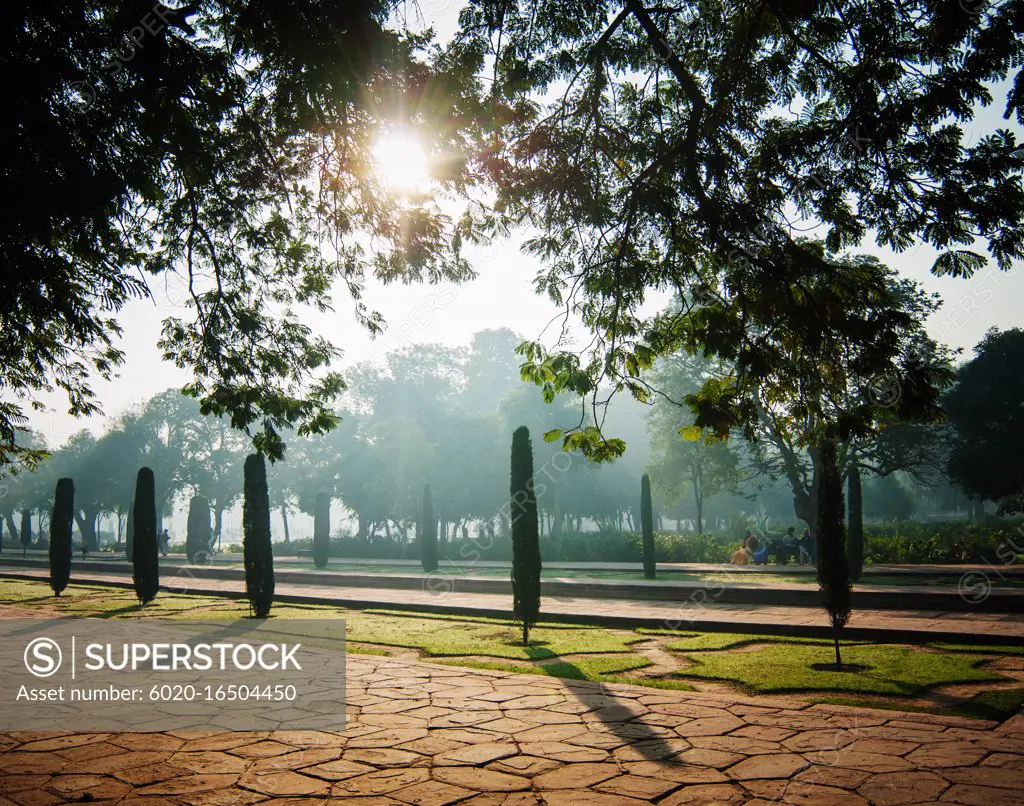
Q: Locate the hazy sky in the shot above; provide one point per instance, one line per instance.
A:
(501, 296)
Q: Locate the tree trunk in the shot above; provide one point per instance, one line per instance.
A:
(839, 660)
(855, 523)
(362, 526)
(679, 526)
(218, 522)
(698, 499)
(86, 521)
(12, 529)
(284, 519)
(387, 527)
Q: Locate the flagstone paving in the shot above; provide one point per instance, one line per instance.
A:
(434, 735)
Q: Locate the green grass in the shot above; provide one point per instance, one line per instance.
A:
(888, 669)
(709, 641)
(989, 649)
(462, 636)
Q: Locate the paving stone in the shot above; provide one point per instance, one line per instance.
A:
(527, 766)
(709, 757)
(209, 761)
(902, 788)
(189, 783)
(381, 782)
(76, 787)
(1005, 777)
(476, 754)
(576, 776)
(283, 782)
(948, 754)
(773, 765)
(384, 757)
(432, 793)
(636, 786)
(338, 770)
(856, 760)
(706, 795)
(980, 796)
(149, 774)
(655, 750)
(560, 751)
(584, 798)
(678, 773)
(481, 779)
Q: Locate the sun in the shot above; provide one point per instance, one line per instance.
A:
(401, 161)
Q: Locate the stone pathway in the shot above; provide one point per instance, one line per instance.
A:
(433, 735)
(700, 614)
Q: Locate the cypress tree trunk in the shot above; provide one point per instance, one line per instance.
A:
(61, 523)
(198, 529)
(428, 532)
(322, 529)
(647, 526)
(284, 520)
(26, 531)
(145, 554)
(855, 545)
(526, 565)
(833, 569)
(129, 532)
(258, 552)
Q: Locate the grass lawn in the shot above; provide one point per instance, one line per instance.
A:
(783, 664)
(788, 667)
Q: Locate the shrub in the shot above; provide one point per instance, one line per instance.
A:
(145, 556)
(256, 547)
(61, 522)
(199, 530)
(526, 564)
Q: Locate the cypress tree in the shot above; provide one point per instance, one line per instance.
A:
(26, 531)
(526, 566)
(855, 538)
(257, 551)
(647, 525)
(61, 522)
(833, 568)
(428, 532)
(198, 530)
(145, 553)
(322, 530)
(129, 532)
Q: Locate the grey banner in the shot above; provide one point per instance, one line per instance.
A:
(164, 674)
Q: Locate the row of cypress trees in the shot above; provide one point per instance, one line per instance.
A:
(143, 548)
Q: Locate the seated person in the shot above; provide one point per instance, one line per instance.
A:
(761, 555)
(806, 546)
(749, 544)
(740, 557)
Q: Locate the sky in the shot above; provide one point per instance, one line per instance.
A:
(501, 296)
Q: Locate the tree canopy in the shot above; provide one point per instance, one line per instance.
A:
(229, 143)
(985, 408)
(686, 146)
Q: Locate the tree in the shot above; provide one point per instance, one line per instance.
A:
(833, 570)
(256, 546)
(145, 551)
(62, 521)
(428, 532)
(700, 468)
(647, 526)
(985, 410)
(526, 564)
(26, 530)
(198, 534)
(855, 535)
(232, 201)
(322, 530)
(689, 145)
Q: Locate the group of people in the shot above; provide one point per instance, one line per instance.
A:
(751, 550)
